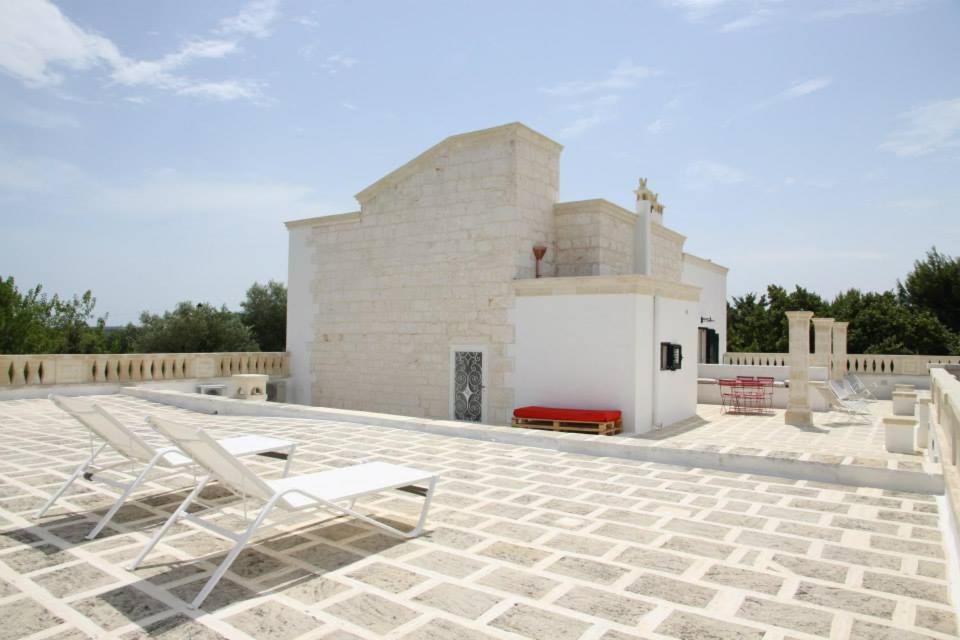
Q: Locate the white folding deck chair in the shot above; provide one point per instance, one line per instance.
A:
(334, 491)
(858, 387)
(842, 400)
(134, 449)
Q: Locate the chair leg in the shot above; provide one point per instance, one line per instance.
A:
(231, 556)
(286, 467)
(122, 498)
(169, 523)
(66, 485)
(423, 512)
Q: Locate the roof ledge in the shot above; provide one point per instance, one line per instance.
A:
(517, 129)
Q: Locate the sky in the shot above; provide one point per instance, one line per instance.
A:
(151, 151)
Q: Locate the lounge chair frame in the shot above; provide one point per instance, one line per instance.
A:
(273, 499)
(134, 450)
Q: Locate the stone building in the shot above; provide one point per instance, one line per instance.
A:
(425, 302)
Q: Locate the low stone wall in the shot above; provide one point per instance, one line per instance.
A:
(709, 375)
(858, 363)
(945, 449)
(100, 368)
(925, 480)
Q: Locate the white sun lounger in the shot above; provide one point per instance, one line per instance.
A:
(135, 449)
(841, 400)
(334, 491)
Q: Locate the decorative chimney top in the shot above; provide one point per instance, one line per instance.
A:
(644, 194)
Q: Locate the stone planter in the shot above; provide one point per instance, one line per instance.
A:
(899, 433)
(904, 402)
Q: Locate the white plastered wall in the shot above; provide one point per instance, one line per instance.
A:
(676, 390)
(300, 313)
(712, 280)
(601, 352)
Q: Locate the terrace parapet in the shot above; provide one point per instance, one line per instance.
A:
(64, 369)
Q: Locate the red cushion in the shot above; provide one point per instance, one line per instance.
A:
(576, 415)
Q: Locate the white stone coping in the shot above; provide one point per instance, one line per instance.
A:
(705, 263)
(918, 477)
(337, 218)
(904, 395)
(596, 205)
(594, 285)
(514, 128)
(658, 228)
(899, 422)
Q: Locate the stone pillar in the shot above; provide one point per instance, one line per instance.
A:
(822, 342)
(798, 401)
(839, 368)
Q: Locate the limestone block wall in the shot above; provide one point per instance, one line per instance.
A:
(667, 253)
(594, 237)
(429, 264)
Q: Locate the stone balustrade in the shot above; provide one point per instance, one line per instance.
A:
(945, 412)
(757, 359)
(60, 369)
(876, 364)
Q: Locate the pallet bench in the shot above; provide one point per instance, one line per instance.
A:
(604, 423)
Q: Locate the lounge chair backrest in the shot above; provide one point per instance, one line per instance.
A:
(106, 427)
(838, 390)
(208, 453)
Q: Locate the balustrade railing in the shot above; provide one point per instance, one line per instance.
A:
(870, 363)
(50, 369)
(757, 359)
(945, 395)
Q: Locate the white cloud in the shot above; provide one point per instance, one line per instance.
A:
(256, 19)
(167, 193)
(657, 126)
(700, 9)
(806, 87)
(21, 175)
(926, 129)
(705, 173)
(593, 114)
(39, 118)
(171, 194)
(35, 37)
(37, 42)
(349, 106)
(338, 62)
(797, 90)
(756, 12)
(625, 75)
(841, 9)
(746, 22)
(224, 90)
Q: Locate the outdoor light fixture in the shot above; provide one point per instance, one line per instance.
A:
(538, 252)
(705, 319)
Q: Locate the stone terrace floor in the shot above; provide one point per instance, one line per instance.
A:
(521, 543)
(833, 436)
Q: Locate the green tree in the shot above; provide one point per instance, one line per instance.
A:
(760, 324)
(934, 285)
(265, 312)
(881, 323)
(192, 328)
(31, 322)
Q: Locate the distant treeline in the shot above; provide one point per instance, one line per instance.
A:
(920, 316)
(33, 322)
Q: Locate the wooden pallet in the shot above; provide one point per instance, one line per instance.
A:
(570, 426)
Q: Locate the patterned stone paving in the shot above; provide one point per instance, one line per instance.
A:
(521, 543)
(834, 437)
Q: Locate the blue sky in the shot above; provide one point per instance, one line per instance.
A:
(151, 151)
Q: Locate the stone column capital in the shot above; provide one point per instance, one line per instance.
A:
(840, 326)
(822, 322)
(799, 316)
